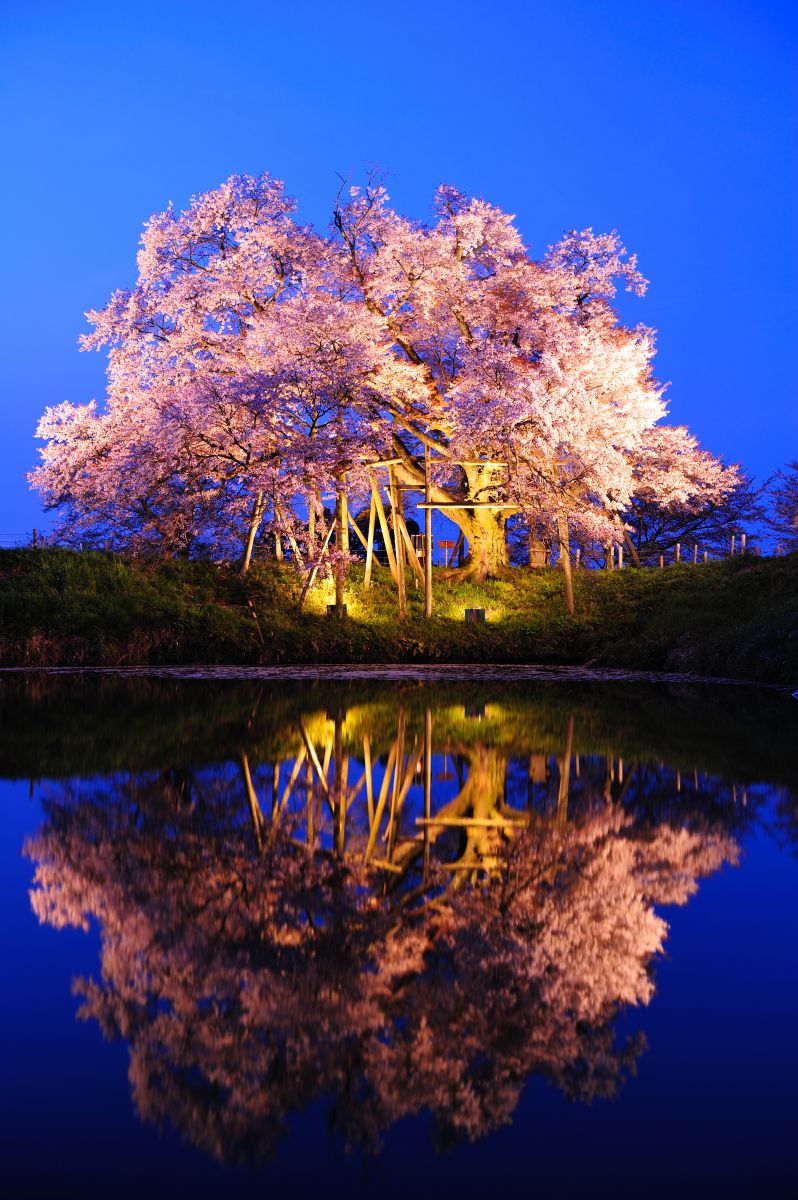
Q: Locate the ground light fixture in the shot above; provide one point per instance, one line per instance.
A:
(474, 615)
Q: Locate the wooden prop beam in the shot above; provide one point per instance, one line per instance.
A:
(258, 821)
(444, 504)
(311, 579)
(411, 550)
(398, 548)
(356, 530)
(383, 796)
(370, 544)
(314, 759)
(294, 776)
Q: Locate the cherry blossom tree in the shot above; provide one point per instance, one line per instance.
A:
(257, 364)
(784, 495)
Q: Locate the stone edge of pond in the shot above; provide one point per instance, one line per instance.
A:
(420, 673)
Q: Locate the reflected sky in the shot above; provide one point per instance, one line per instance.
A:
(333, 932)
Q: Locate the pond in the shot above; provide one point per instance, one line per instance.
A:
(397, 933)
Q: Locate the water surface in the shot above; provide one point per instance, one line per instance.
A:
(407, 935)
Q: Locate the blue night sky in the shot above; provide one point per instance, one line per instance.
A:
(673, 122)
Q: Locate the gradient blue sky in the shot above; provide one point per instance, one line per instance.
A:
(673, 122)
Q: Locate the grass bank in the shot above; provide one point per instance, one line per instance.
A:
(734, 618)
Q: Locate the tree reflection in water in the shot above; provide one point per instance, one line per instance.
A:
(332, 926)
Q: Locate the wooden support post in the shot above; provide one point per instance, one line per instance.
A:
(578, 556)
(695, 552)
(341, 525)
(678, 557)
(732, 544)
(398, 547)
(427, 538)
(662, 560)
(292, 540)
(370, 544)
(706, 556)
(386, 534)
(742, 543)
(339, 787)
(369, 777)
(427, 785)
(565, 774)
(620, 558)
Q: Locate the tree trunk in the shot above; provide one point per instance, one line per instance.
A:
(254, 525)
(484, 530)
(565, 560)
(311, 526)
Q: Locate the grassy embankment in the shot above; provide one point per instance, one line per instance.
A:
(733, 618)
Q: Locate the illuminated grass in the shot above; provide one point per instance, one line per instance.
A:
(738, 617)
